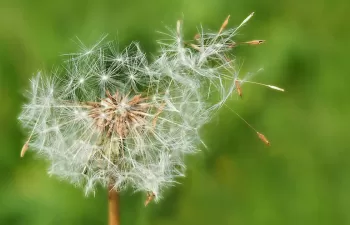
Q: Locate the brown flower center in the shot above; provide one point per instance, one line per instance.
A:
(119, 114)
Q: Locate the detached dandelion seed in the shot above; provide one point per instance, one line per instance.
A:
(263, 138)
(116, 119)
(254, 42)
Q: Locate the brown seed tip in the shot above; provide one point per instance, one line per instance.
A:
(24, 148)
(224, 24)
(263, 138)
(196, 37)
(232, 45)
(238, 87)
(150, 196)
(255, 42)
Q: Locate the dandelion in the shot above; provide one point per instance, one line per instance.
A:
(116, 119)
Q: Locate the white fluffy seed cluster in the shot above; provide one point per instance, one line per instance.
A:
(117, 119)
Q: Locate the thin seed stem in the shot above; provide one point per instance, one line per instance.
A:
(113, 207)
(239, 116)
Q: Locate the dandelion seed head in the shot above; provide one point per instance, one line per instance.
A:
(114, 118)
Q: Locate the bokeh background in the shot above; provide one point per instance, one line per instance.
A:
(303, 178)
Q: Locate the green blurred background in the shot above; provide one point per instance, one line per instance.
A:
(303, 178)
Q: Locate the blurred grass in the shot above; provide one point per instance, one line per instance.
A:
(303, 178)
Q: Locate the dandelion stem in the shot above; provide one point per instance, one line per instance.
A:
(113, 207)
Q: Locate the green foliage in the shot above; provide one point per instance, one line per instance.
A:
(303, 178)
